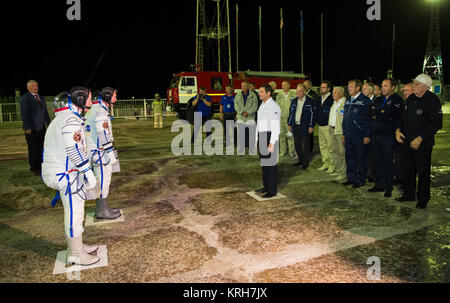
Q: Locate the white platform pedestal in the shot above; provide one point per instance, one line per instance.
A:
(61, 257)
(255, 196)
(90, 219)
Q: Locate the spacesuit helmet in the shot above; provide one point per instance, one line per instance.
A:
(107, 94)
(79, 95)
(61, 100)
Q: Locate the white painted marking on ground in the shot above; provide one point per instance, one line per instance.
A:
(261, 199)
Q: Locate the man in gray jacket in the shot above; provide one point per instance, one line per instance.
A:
(335, 129)
(246, 105)
(35, 119)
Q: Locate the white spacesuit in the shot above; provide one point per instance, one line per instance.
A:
(101, 152)
(65, 167)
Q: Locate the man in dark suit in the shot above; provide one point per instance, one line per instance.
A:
(302, 119)
(313, 95)
(35, 118)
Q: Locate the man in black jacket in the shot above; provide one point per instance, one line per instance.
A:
(385, 112)
(421, 120)
(35, 119)
(313, 95)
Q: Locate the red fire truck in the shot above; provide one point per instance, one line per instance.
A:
(185, 85)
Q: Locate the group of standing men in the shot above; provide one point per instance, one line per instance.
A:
(373, 133)
(77, 159)
(397, 133)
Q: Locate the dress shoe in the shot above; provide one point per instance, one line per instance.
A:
(405, 199)
(356, 185)
(269, 195)
(421, 206)
(370, 179)
(261, 191)
(375, 190)
(297, 164)
(388, 193)
(304, 166)
(347, 183)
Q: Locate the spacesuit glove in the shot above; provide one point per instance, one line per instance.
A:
(112, 158)
(91, 180)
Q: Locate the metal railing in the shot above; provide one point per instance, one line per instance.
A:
(126, 109)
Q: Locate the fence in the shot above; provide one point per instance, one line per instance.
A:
(127, 109)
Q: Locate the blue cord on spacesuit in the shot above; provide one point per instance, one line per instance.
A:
(71, 109)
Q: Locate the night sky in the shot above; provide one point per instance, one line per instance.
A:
(151, 40)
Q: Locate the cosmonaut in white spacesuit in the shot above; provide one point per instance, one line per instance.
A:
(66, 168)
(99, 140)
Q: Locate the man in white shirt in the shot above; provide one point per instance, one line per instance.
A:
(267, 134)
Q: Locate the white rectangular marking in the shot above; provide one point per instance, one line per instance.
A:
(61, 257)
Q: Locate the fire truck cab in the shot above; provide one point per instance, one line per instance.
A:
(185, 85)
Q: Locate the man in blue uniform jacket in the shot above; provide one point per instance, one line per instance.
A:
(302, 119)
(356, 134)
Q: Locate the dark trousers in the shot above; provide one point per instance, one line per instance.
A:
(397, 160)
(35, 142)
(413, 163)
(356, 159)
(268, 162)
(311, 142)
(196, 131)
(302, 147)
(270, 178)
(229, 117)
(371, 173)
(382, 154)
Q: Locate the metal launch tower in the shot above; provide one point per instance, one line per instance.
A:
(210, 31)
(432, 64)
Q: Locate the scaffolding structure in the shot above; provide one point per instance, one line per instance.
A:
(432, 64)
